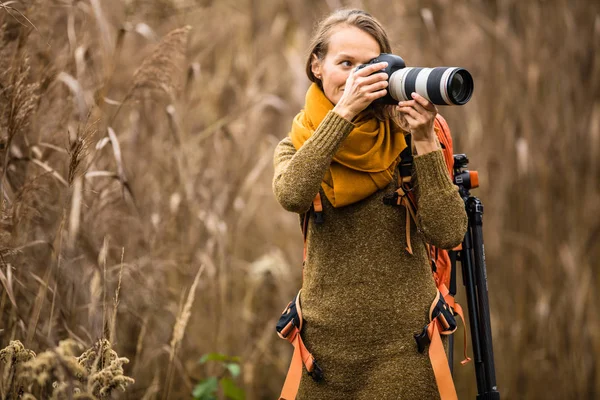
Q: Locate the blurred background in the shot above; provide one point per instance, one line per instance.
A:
(136, 144)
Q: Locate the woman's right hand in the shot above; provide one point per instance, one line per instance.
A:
(362, 88)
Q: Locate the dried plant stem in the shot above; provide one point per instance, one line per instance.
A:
(180, 156)
(51, 319)
(140, 345)
(41, 295)
(75, 215)
(102, 259)
(119, 159)
(6, 280)
(169, 376)
(116, 302)
(51, 170)
(38, 305)
(179, 329)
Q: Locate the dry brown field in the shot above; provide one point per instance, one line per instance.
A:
(136, 143)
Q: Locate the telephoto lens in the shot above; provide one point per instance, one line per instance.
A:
(440, 85)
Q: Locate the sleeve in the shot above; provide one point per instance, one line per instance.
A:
(441, 215)
(298, 173)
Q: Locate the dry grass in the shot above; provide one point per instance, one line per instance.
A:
(135, 143)
(59, 374)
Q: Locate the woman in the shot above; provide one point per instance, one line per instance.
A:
(364, 295)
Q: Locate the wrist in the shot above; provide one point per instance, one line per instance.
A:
(344, 113)
(426, 146)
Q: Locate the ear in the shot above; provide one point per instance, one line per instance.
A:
(315, 66)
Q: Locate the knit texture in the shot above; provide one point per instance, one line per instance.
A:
(364, 296)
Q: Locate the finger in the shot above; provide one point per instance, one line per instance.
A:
(368, 80)
(407, 103)
(410, 112)
(413, 104)
(375, 86)
(377, 94)
(423, 102)
(425, 113)
(370, 69)
(420, 109)
(411, 121)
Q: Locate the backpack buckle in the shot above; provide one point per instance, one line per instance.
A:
(319, 217)
(422, 339)
(390, 199)
(316, 373)
(290, 318)
(444, 314)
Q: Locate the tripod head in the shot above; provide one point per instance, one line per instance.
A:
(463, 178)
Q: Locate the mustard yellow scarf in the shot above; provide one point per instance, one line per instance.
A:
(365, 161)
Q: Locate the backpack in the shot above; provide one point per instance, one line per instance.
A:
(443, 308)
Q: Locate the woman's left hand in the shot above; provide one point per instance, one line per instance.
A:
(420, 114)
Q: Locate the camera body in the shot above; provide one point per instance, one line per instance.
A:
(439, 85)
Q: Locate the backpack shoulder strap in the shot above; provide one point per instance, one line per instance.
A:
(445, 138)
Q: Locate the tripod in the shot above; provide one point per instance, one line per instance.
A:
(472, 259)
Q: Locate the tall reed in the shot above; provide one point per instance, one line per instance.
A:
(136, 140)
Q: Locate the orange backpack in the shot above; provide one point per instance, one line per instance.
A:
(443, 308)
(442, 311)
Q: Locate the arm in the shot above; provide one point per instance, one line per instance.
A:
(298, 174)
(441, 215)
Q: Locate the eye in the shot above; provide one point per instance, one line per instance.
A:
(346, 63)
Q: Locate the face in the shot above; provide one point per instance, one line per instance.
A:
(348, 47)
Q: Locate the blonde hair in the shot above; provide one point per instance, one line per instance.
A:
(319, 45)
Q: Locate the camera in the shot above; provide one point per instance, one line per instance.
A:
(440, 85)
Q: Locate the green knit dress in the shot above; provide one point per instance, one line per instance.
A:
(364, 296)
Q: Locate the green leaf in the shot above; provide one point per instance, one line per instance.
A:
(235, 359)
(231, 390)
(206, 389)
(234, 369)
(218, 357)
(213, 357)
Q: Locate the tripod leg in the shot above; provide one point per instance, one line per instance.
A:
(475, 213)
(466, 261)
(451, 353)
(452, 290)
